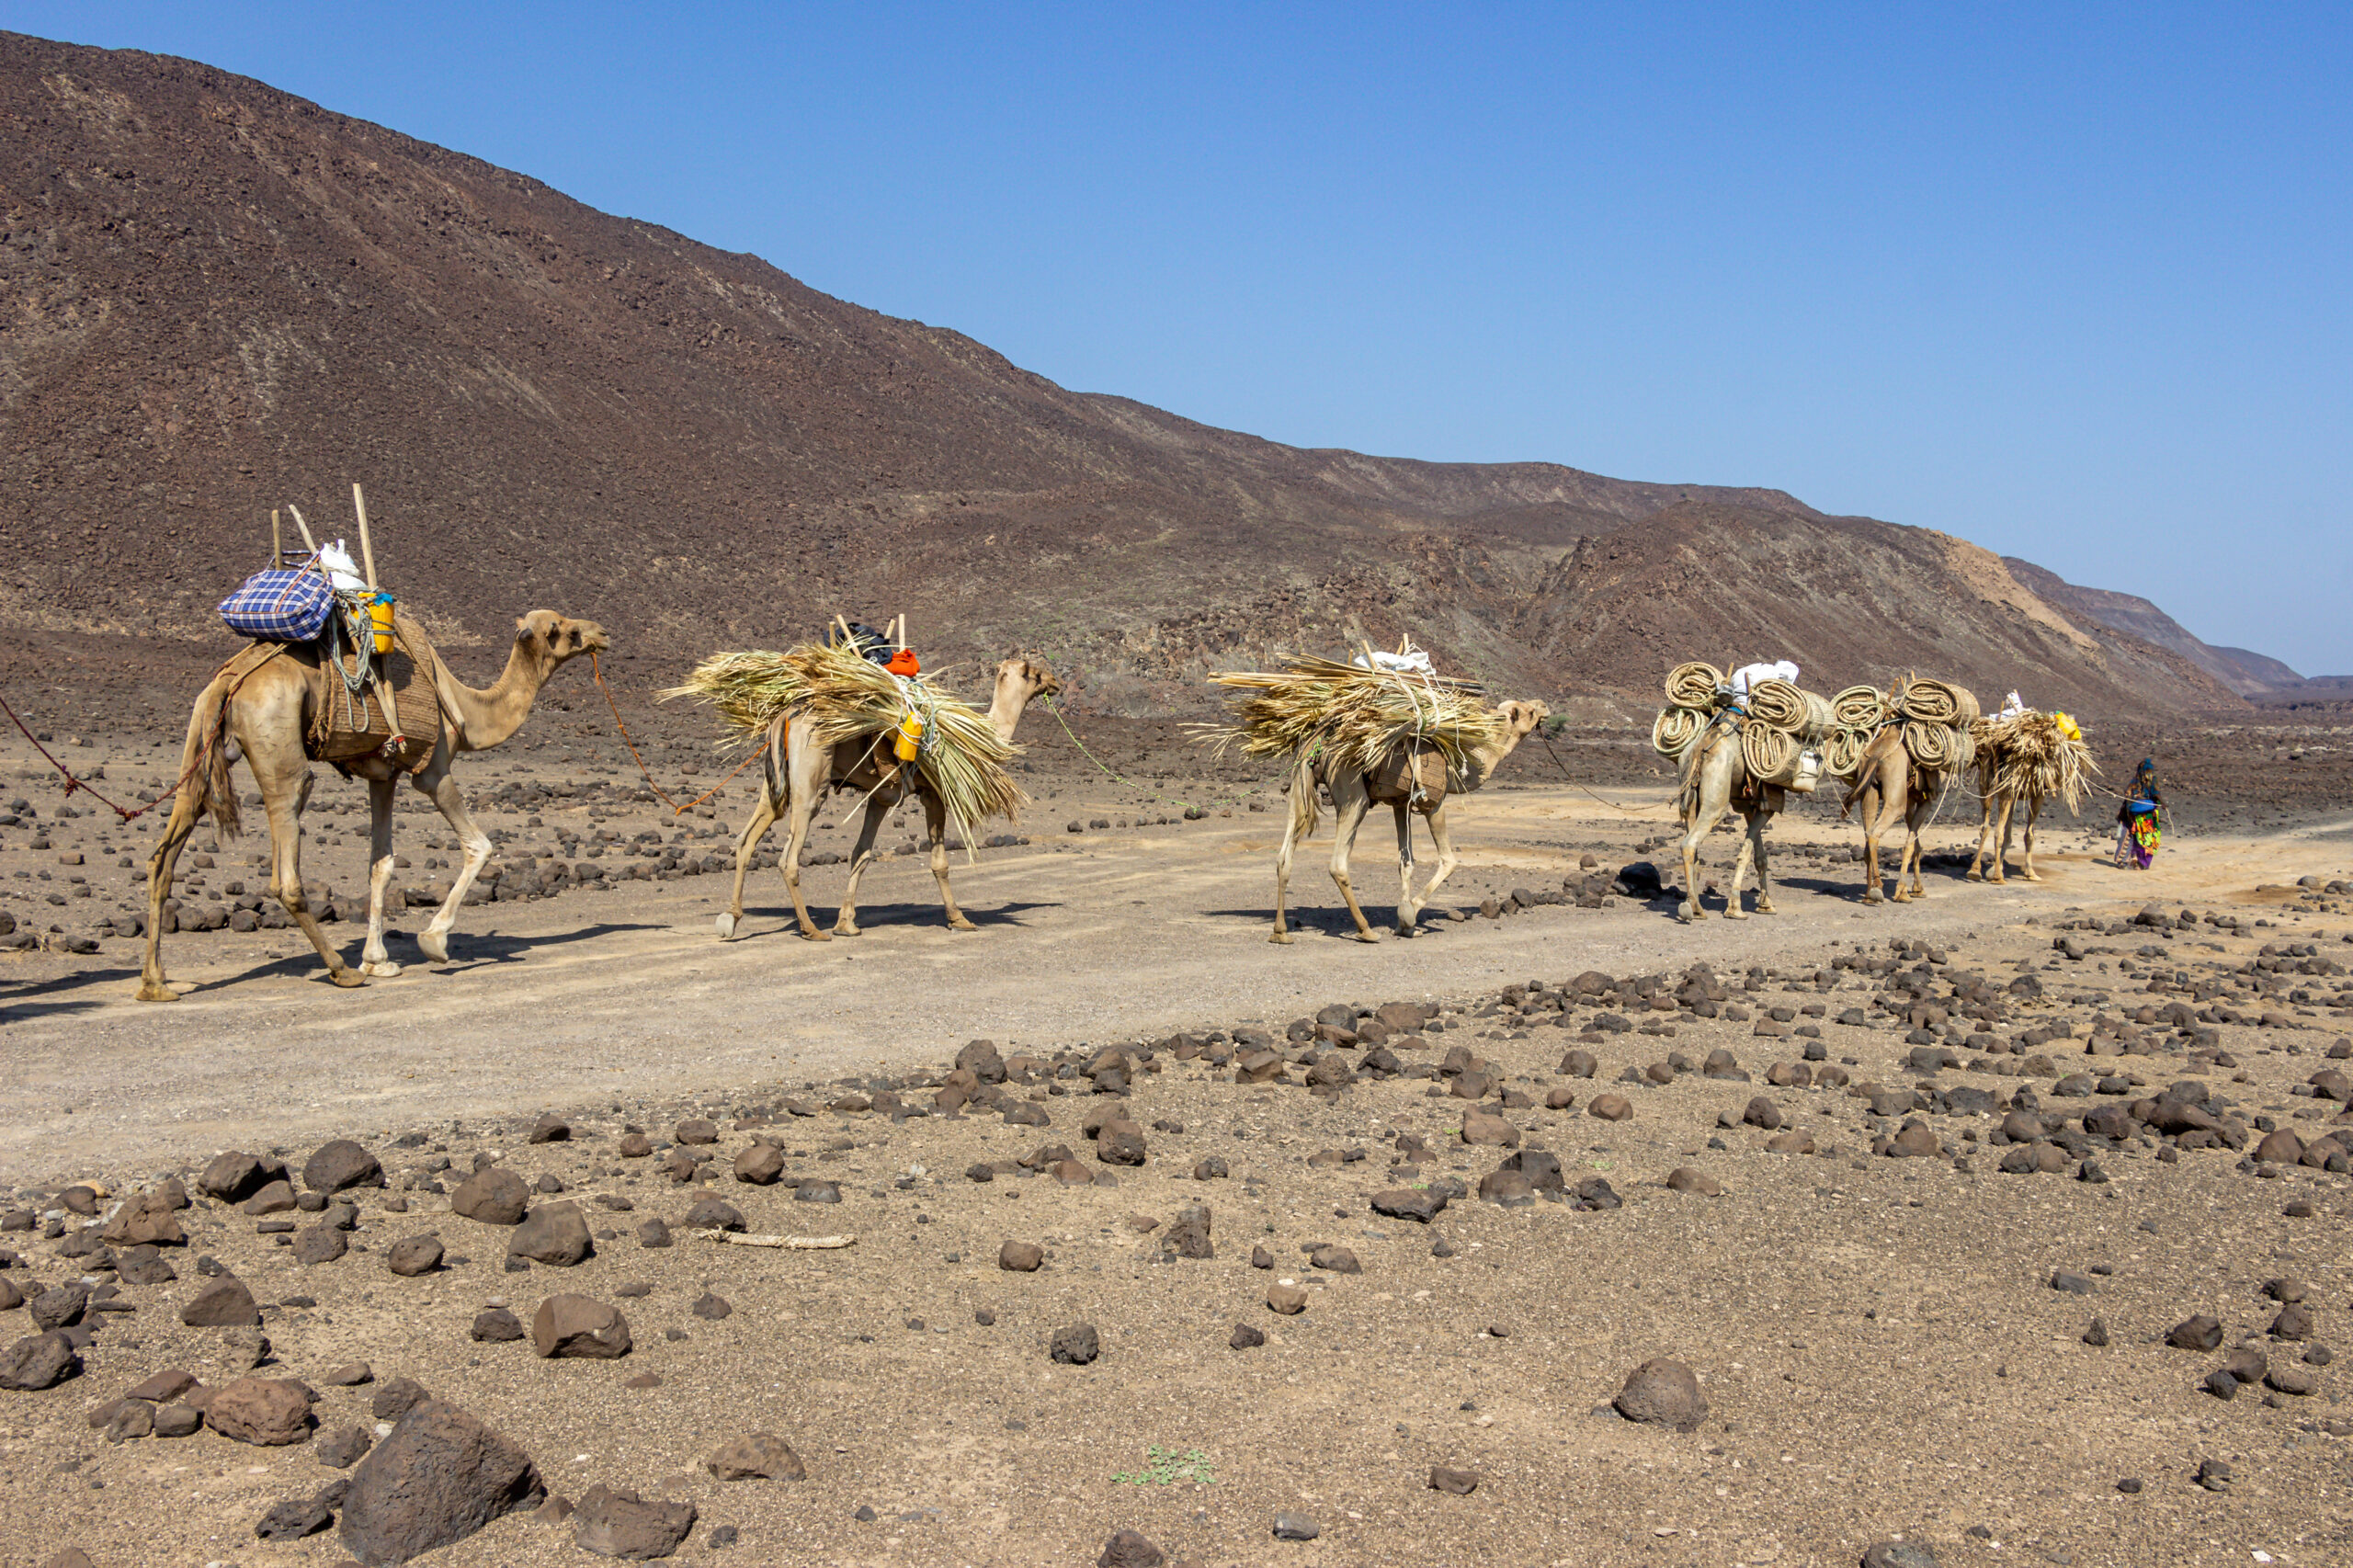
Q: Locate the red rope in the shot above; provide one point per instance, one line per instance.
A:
(72, 783)
(597, 668)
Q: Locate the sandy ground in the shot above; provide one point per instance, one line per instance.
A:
(1877, 1338)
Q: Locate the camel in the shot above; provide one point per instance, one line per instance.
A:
(2001, 802)
(797, 772)
(1886, 776)
(1717, 780)
(1412, 781)
(265, 717)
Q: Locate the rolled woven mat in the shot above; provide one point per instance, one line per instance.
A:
(1964, 750)
(1805, 714)
(1860, 708)
(1769, 754)
(1693, 684)
(1936, 746)
(1843, 752)
(1675, 729)
(1937, 702)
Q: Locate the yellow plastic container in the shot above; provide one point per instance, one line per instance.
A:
(910, 737)
(380, 615)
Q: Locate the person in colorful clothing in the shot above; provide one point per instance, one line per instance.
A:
(2140, 821)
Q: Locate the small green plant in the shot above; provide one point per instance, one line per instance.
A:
(1162, 1466)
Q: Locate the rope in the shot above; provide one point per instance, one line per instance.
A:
(1564, 769)
(1056, 709)
(72, 783)
(597, 668)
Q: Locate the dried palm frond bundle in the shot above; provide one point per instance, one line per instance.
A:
(1695, 685)
(845, 697)
(1781, 706)
(1353, 716)
(1934, 702)
(1843, 752)
(1860, 708)
(2031, 756)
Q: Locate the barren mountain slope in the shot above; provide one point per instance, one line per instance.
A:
(216, 297)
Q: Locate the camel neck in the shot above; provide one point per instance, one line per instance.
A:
(489, 718)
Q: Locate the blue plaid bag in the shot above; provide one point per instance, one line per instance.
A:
(280, 606)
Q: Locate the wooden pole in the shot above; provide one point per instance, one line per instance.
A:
(277, 542)
(308, 543)
(367, 550)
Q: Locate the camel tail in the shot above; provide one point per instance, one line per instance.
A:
(204, 761)
(1306, 811)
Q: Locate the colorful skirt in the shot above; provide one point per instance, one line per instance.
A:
(2140, 836)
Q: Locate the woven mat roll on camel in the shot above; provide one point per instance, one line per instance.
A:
(1769, 754)
(1940, 748)
(2032, 756)
(1675, 730)
(1355, 715)
(845, 697)
(1860, 708)
(1936, 702)
(1694, 684)
(1784, 707)
(1843, 752)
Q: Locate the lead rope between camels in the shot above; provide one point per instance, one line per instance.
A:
(597, 669)
(1056, 709)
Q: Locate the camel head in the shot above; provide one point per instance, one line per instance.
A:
(1521, 718)
(1020, 680)
(550, 640)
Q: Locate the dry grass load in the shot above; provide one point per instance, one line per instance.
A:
(2028, 754)
(1352, 715)
(845, 697)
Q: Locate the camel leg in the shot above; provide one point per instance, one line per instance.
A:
(1706, 812)
(1740, 865)
(935, 821)
(187, 810)
(436, 784)
(1407, 906)
(373, 960)
(284, 792)
(1281, 932)
(2033, 810)
(1757, 825)
(756, 828)
(803, 790)
(1999, 871)
(1872, 800)
(876, 808)
(1443, 837)
(1986, 806)
(1350, 801)
(1909, 865)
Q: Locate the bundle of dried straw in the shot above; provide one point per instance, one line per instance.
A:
(2028, 754)
(1352, 715)
(845, 696)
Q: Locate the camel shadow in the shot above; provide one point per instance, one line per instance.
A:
(17, 1004)
(1335, 921)
(870, 916)
(468, 951)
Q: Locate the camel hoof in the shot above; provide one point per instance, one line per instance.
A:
(347, 978)
(726, 927)
(1367, 936)
(156, 991)
(2030, 877)
(1282, 936)
(842, 930)
(1690, 912)
(1974, 875)
(1764, 907)
(1873, 897)
(434, 945)
(382, 968)
(1735, 912)
(960, 923)
(816, 936)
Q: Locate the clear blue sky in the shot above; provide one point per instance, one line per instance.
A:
(2071, 282)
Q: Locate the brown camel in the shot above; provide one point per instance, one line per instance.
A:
(1886, 782)
(1999, 802)
(1412, 780)
(796, 773)
(265, 717)
(1715, 781)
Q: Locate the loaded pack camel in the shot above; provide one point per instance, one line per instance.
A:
(1412, 780)
(1714, 781)
(796, 773)
(1888, 783)
(266, 715)
(2001, 801)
